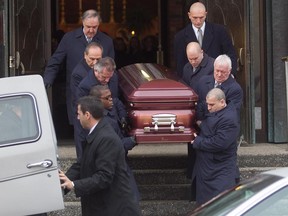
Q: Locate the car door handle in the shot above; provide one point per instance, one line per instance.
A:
(44, 164)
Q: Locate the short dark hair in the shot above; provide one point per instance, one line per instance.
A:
(93, 44)
(97, 89)
(92, 105)
(217, 93)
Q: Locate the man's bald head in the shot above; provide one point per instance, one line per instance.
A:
(197, 14)
(194, 54)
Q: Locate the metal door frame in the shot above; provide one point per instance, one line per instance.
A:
(11, 37)
(5, 39)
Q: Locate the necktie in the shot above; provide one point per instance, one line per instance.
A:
(200, 37)
(217, 85)
(89, 40)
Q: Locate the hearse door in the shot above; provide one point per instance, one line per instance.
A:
(29, 24)
(29, 179)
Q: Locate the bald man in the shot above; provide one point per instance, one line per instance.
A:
(216, 148)
(215, 39)
(199, 64)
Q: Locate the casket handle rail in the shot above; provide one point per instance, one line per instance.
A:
(164, 119)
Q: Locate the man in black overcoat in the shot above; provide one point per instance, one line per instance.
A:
(222, 79)
(199, 65)
(93, 52)
(116, 114)
(101, 178)
(70, 51)
(103, 74)
(216, 148)
(215, 38)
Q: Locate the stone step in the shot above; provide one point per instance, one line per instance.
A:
(160, 186)
(166, 208)
(71, 209)
(164, 192)
(180, 162)
(148, 208)
(248, 172)
(271, 160)
(178, 177)
(174, 156)
(153, 204)
(160, 175)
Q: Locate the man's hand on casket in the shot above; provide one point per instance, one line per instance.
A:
(123, 123)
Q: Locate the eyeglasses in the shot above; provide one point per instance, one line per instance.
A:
(107, 97)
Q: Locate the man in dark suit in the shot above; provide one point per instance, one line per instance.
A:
(93, 52)
(214, 38)
(216, 148)
(116, 114)
(221, 79)
(70, 51)
(199, 65)
(101, 178)
(103, 74)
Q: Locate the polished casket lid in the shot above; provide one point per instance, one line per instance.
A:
(148, 82)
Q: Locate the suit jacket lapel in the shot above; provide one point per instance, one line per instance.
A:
(211, 82)
(190, 35)
(208, 36)
(80, 35)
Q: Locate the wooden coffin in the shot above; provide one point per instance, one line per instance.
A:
(160, 109)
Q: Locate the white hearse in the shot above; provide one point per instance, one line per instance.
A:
(29, 181)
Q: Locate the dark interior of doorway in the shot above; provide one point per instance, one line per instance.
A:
(62, 127)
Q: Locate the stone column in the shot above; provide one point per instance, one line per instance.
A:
(279, 35)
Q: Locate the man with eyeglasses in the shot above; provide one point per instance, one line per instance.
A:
(103, 74)
(116, 114)
(213, 38)
(70, 51)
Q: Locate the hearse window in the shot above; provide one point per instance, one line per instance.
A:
(18, 119)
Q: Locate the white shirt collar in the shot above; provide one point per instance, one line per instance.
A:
(86, 36)
(196, 29)
(93, 128)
